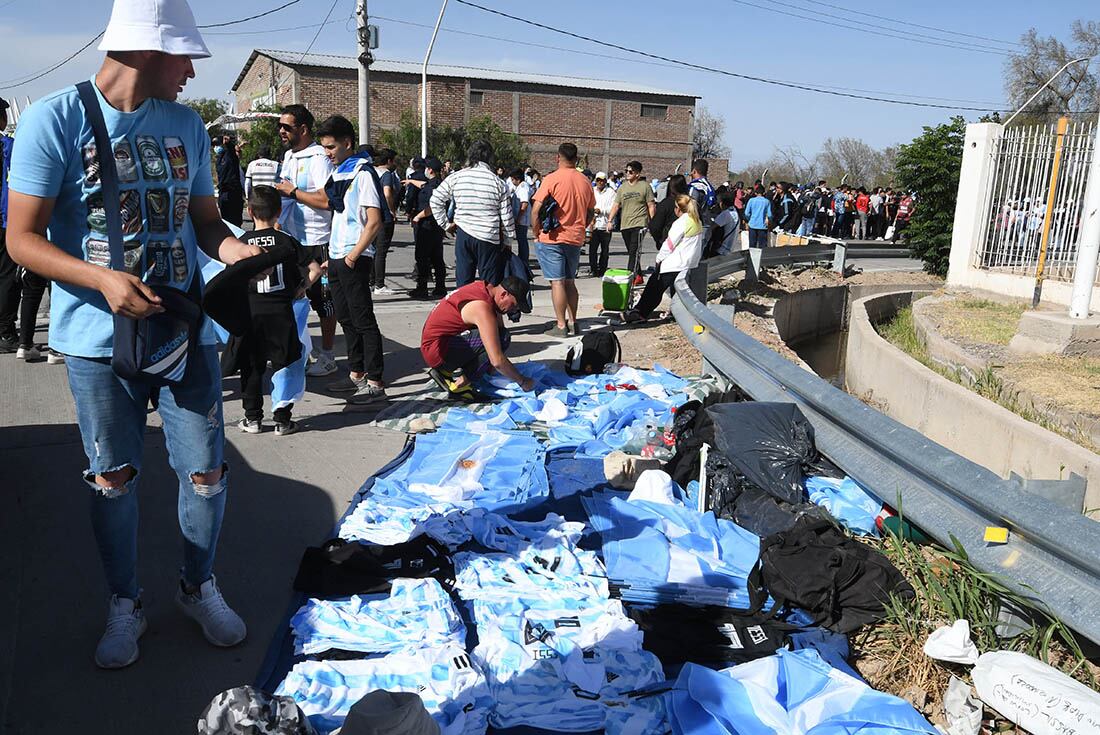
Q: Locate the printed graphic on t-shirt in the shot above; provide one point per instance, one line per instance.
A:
(91, 165)
(181, 201)
(131, 257)
(157, 210)
(177, 157)
(179, 261)
(159, 257)
(129, 207)
(124, 162)
(275, 282)
(152, 164)
(99, 253)
(129, 210)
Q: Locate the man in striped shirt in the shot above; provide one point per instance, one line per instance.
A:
(483, 217)
(261, 172)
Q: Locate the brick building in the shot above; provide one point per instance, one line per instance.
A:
(610, 122)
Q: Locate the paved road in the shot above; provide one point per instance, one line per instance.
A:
(286, 494)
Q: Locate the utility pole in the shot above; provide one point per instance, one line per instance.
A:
(362, 38)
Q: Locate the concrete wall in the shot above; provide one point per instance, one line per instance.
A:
(950, 414)
(975, 182)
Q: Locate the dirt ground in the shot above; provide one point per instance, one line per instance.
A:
(1048, 384)
(665, 342)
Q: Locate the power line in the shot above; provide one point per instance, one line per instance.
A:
(269, 30)
(251, 17)
(911, 37)
(724, 72)
(38, 75)
(918, 25)
(532, 44)
(312, 41)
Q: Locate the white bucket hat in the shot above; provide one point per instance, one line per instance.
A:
(154, 25)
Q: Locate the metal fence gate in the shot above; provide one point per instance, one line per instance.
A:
(1019, 199)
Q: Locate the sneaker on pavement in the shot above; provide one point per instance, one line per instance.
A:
(314, 354)
(250, 427)
(384, 291)
(30, 354)
(206, 606)
(54, 358)
(8, 345)
(325, 365)
(345, 385)
(284, 429)
(556, 331)
(367, 393)
(125, 623)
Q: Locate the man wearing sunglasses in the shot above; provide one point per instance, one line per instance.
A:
(635, 199)
(306, 167)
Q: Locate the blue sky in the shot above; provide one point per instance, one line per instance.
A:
(813, 42)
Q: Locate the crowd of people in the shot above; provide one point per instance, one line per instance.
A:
(329, 208)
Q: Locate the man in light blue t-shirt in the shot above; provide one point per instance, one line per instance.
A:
(168, 211)
(758, 212)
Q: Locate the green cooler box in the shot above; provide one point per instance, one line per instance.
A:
(616, 289)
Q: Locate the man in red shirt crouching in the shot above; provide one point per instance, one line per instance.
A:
(464, 336)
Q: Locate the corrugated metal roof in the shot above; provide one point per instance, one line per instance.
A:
(294, 58)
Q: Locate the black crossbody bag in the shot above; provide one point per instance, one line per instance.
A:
(157, 349)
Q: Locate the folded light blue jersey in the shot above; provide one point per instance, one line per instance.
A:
(453, 689)
(387, 521)
(848, 501)
(538, 693)
(417, 613)
(550, 573)
(495, 531)
(793, 693)
(666, 546)
(489, 469)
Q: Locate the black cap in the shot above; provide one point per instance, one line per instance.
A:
(418, 162)
(517, 287)
(389, 713)
(433, 163)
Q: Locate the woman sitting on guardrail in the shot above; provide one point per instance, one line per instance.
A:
(680, 251)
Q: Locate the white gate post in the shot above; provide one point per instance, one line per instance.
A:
(1088, 243)
(975, 178)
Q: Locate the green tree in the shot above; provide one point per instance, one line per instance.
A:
(450, 144)
(930, 167)
(209, 109)
(260, 133)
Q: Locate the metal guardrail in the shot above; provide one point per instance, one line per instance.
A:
(1052, 555)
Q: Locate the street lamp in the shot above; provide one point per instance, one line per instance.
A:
(424, 85)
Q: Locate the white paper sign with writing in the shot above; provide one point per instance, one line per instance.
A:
(1035, 696)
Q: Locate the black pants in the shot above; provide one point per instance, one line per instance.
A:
(253, 365)
(231, 206)
(598, 251)
(9, 289)
(467, 351)
(351, 295)
(34, 288)
(477, 259)
(632, 236)
(654, 291)
(429, 259)
(382, 242)
(758, 238)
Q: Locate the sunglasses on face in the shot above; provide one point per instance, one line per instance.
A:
(631, 171)
(287, 127)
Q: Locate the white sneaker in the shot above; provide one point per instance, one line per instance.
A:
(54, 358)
(250, 427)
(220, 625)
(30, 354)
(119, 645)
(384, 291)
(367, 393)
(313, 355)
(325, 365)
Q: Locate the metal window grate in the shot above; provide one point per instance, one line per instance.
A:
(658, 112)
(1017, 203)
(477, 98)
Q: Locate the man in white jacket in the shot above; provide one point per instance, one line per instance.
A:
(681, 251)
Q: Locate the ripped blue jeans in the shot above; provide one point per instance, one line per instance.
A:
(111, 413)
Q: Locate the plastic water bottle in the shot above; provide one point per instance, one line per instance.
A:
(613, 367)
(324, 286)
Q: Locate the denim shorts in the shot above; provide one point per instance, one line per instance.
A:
(559, 261)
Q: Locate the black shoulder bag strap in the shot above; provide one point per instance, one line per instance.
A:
(108, 174)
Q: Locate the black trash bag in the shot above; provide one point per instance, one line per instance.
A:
(842, 583)
(757, 511)
(769, 443)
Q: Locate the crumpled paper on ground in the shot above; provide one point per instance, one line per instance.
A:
(963, 709)
(952, 643)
